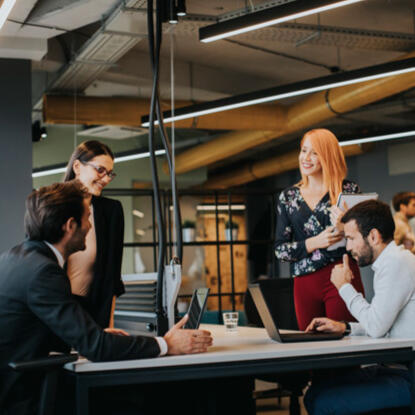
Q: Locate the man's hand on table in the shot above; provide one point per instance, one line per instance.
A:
(327, 325)
(182, 341)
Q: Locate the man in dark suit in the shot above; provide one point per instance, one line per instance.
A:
(37, 311)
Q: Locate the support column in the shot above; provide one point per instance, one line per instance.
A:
(15, 148)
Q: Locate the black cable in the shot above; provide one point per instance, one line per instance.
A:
(284, 55)
(154, 174)
(167, 146)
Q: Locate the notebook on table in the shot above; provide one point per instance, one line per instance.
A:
(271, 325)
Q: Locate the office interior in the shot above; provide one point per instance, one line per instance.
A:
(77, 70)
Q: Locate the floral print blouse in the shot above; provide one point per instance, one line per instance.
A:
(296, 222)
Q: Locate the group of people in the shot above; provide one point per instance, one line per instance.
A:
(58, 288)
(328, 290)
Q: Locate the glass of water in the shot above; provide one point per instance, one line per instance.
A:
(230, 320)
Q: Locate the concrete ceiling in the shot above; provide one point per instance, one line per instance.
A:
(99, 47)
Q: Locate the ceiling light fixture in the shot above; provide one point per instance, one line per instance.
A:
(5, 10)
(268, 17)
(181, 8)
(385, 137)
(138, 213)
(120, 159)
(219, 207)
(291, 90)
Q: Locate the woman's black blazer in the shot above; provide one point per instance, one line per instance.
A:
(109, 229)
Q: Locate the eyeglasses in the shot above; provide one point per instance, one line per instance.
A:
(101, 170)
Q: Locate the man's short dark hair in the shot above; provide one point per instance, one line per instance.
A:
(372, 214)
(50, 207)
(402, 198)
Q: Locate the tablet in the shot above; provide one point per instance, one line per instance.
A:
(351, 199)
(354, 198)
(197, 308)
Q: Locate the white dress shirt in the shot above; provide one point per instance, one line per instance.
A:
(392, 310)
(161, 342)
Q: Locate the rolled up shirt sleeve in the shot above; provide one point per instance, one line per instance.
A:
(377, 317)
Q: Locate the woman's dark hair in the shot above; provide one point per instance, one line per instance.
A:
(50, 207)
(86, 151)
(372, 214)
(402, 198)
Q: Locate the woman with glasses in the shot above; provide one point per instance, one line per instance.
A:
(95, 273)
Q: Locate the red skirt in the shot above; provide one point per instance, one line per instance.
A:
(316, 296)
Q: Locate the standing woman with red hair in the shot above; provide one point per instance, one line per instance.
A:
(305, 228)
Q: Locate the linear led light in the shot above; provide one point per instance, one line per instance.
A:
(5, 10)
(385, 137)
(291, 90)
(49, 172)
(268, 17)
(119, 159)
(137, 156)
(219, 207)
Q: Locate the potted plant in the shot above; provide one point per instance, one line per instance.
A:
(231, 230)
(188, 229)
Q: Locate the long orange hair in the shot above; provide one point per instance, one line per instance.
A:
(332, 160)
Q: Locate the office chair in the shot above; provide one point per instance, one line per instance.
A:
(279, 296)
(50, 366)
(388, 411)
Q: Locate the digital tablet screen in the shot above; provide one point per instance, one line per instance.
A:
(197, 308)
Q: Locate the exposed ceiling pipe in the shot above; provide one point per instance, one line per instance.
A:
(313, 109)
(61, 109)
(269, 167)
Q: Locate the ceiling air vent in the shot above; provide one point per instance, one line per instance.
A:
(112, 132)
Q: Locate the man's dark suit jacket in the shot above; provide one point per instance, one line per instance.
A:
(38, 312)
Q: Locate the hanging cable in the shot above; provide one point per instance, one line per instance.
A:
(154, 174)
(167, 147)
(155, 40)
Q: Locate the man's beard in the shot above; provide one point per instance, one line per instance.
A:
(365, 256)
(77, 242)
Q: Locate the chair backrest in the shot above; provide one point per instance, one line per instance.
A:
(279, 296)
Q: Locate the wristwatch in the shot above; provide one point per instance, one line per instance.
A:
(348, 328)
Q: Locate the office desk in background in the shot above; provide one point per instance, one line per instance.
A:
(249, 352)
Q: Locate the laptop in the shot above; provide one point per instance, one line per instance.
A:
(272, 328)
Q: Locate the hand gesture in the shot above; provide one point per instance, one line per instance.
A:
(324, 239)
(327, 325)
(182, 341)
(336, 215)
(341, 274)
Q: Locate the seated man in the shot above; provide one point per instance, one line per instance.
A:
(404, 205)
(369, 229)
(38, 312)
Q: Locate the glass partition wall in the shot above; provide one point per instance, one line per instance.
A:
(228, 239)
